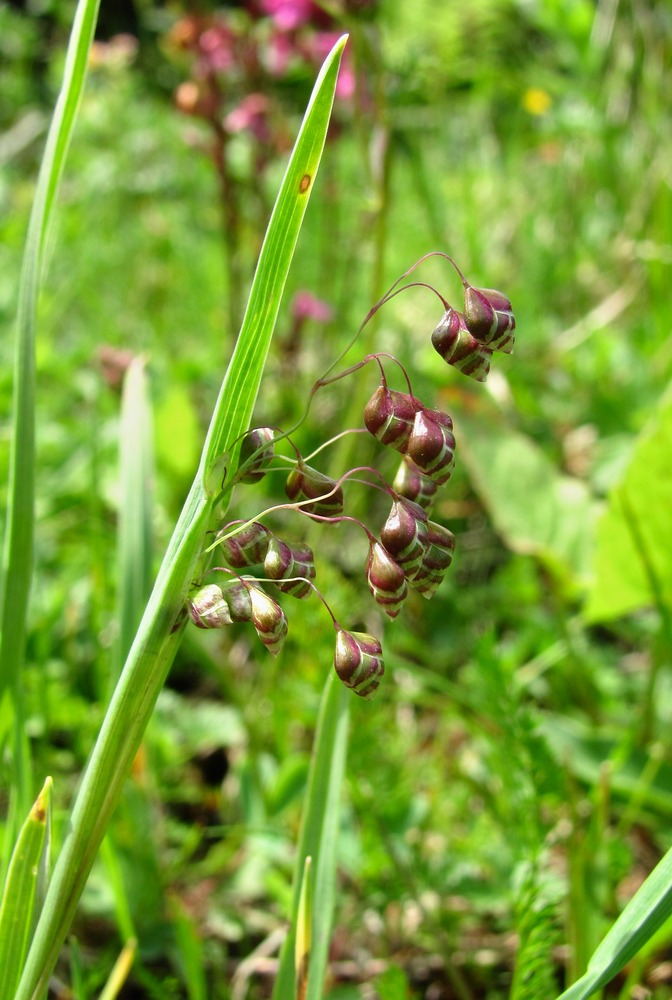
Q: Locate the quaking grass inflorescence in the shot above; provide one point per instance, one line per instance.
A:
(410, 551)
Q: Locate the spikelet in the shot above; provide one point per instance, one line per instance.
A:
(386, 579)
(389, 416)
(304, 483)
(358, 661)
(246, 547)
(459, 348)
(283, 561)
(404, 535)
(411, 483)
(431, 445)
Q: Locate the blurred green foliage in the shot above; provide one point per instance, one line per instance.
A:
(515, 762)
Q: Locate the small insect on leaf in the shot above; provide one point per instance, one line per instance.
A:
(304, 184)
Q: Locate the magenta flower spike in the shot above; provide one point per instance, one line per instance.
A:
(431, 445)
(389, 416)
(358, 661)
(386, 579)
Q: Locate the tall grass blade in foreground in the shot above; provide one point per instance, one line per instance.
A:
(17, 557)
(24, 890)
(160, 630)
(646, 912)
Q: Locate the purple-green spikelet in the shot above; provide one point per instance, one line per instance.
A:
(268, 619)
(389, 416)
(431, 445)
(358, 661)
(413, 484)
(459, 348)
(404, 535)
(436, 560)
(304, 483)
(256, 454)
(247, 546)
(489, 317)
(386, 579)
(208, 607)
(283, 561)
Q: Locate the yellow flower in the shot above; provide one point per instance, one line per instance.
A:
(536, 101)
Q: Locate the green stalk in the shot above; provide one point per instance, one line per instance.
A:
(318, 840)
(158, 637)
(17, 556)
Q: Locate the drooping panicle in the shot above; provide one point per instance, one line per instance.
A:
(404, 535)
(358, 661)
(304, 483)
(386, 579)
(284, 561)
(431, 445)
(389, 416)
(459, 348)
(256, 454)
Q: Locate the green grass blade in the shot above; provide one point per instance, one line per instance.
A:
(136, 460)
(646, 912)
(18, 542)
(23, 891)
(235, 402)
(304, 927)
(319, 836)
(157, 638)
(17, 554)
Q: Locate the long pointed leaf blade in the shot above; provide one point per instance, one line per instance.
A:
(18, 541)
(235, 403)
(23, 889)
(646, 912)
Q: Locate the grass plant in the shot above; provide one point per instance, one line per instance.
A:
(497, 822)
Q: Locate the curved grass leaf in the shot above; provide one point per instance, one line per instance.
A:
(646, 912)
(24, 890)
(17, 557)
(159, 634)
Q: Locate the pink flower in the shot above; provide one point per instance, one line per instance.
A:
(250, 115)
(279, 53)
(289, 15)
(217, 49)
(307, 306)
